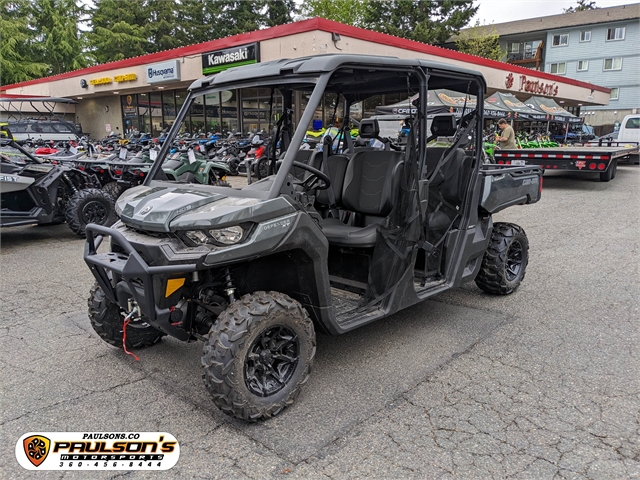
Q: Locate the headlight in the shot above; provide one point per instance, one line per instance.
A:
(227, 235)
(220, 236)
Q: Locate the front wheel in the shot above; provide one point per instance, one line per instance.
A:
(505, 261)
(261, 168)
(258, 356)
(91, 205)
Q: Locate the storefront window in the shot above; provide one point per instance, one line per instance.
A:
(256, 108)
(129, 113)
(168, 108)
(156, 113)
(229, 99)
(144, 115)
(197, 116)
(180, 98)
(212, 110)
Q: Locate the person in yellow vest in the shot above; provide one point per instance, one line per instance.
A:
(508, 138)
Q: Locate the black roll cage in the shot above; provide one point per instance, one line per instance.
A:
(320, 82)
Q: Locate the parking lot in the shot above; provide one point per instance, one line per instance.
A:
(538, 384)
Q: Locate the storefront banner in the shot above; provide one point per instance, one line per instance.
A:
(214, 62)
(163, 72)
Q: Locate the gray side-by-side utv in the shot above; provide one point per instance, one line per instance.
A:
(334, 238)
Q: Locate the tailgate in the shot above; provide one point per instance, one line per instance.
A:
(506, 185)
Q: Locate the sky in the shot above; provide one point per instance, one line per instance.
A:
(500, 11)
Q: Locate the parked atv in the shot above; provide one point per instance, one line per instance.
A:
(190, 166)
(34, 192)
(357, 237)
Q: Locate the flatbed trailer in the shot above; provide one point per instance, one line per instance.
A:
(590, 158)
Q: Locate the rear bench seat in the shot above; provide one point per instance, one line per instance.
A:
(371, 180)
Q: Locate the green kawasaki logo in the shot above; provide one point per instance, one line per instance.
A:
(219, 60)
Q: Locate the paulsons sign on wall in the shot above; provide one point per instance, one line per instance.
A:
(163, 72)
(219, 60)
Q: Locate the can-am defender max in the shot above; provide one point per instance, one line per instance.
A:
(35, 192)
(330, 240)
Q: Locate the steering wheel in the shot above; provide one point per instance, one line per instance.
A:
(310, 182)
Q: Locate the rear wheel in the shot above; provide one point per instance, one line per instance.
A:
(90, 206)
(108, 322)
(233, 166)
(258, 356)
(261, 168)
(505, 261)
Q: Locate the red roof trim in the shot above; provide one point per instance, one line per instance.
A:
(302, 27)
(14, 95)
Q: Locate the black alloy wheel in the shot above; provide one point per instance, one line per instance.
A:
(94, 212)
(271, 360)
(514, 261)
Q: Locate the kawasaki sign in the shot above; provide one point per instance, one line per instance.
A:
(214, 62)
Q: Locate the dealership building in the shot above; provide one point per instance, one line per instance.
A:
(145, 93)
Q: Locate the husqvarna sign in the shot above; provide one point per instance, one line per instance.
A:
(214, 62)
(163, 72)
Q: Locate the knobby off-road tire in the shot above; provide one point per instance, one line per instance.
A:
(91, 205)
(114, 189)
(233, 167)
(261, 168)
(107, 321)
(258, 356)
(505, 261)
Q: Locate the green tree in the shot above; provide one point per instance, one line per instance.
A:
(198, 20)
(351, 12)
(582, 6)
(241, 16)
(61, 43)
(164, 25)
(280, 12)
(16, 44)
(118, 30)
(427, 21)
(481, 41)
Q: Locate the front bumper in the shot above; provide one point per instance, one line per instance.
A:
(135, 277)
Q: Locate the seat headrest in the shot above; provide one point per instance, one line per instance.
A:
(444, 125)
(369, 128)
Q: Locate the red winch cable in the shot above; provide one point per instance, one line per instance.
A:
(127, 319)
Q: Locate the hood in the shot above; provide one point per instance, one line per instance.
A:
(153, 209)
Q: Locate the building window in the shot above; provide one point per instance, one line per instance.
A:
(514, 47)
(583, 65)
(616, 33)
(585, 36)
(613, 63)
(615, 92)
(560, 40)
(559, 68)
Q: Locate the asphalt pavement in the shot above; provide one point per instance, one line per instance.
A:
(543, 383)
